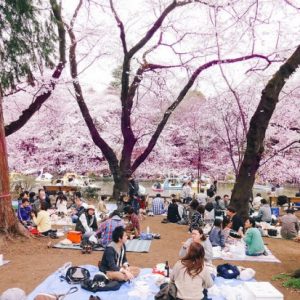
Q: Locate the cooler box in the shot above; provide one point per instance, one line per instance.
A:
(275, 211)
(74, 236)
(261, 291)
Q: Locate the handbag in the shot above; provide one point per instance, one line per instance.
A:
(44, 296)
(168, 291)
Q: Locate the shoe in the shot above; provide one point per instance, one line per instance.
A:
(89, 249)
(265, 253)
(84, 250)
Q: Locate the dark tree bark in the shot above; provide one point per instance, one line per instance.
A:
(8, 222)
(256, 134)
(42, 98)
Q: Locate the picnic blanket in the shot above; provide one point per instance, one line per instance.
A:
(141, 246)
(238, 252)
(141, 288)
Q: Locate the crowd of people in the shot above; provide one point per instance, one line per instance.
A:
(112, 230)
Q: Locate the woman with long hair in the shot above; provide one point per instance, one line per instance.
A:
(199, 237)
(190, 275)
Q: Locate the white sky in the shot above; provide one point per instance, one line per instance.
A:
(98, 23)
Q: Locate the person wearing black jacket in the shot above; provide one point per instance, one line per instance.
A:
(173, 214)
(235, 220)
(114, 262)
(87, 222)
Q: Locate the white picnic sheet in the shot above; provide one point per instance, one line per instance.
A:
(144, 287)
(238, 252)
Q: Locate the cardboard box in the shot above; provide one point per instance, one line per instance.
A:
(261, 291)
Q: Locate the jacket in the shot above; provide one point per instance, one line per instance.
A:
(86, 223)
(113, 259)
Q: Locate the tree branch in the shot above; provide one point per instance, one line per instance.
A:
(277, 152)
(42, 98)
(181, 96)
(121, 27)
(105, 148)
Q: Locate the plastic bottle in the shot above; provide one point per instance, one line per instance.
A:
(148, 229)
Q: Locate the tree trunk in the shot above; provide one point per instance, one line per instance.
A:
(120, 186)
(242, 190)
(8, 221)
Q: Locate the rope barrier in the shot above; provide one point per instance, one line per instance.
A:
(4, 195)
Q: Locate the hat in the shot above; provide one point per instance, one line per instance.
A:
(12, 294)
(90, 207)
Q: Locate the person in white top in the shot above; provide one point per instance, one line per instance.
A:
(256, 201)
(202, 197)
(187, 192)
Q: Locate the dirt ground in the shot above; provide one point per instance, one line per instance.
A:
(32, 261)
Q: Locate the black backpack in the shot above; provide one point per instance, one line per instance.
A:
(100, 283)
(228, 271)
(76, 275)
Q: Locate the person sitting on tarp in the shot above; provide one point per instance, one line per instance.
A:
(235, 220)
(216, 235)
(254, 242)
(80, 207)
(289, 225)
(107, 227)
(24, 212)
(103, 211)
(61, 204)
(158, 205)
(199, 237)
(114, 262)
(173, 214)
(264, 213)
(191, 272)
(133, 229)
(87, 222)
(42, 220)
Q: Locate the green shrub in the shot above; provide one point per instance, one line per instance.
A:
(292, 283)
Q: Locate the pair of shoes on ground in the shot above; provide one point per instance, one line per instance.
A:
(87, 249)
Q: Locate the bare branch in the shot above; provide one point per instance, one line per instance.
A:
(278, 151)
(105, 148)
(121, 27)
(181, 96)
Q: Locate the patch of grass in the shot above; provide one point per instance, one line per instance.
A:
(288, 281)
(281, 276)
(293, 283)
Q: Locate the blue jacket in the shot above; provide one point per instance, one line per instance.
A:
(217, 237)
(24, 213)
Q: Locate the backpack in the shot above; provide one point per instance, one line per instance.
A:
(228, 271)
(100, 283)
(76, 275)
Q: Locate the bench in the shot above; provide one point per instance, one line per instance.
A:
(53, 189)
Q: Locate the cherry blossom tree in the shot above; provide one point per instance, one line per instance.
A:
(256, 134)
(132, 81)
